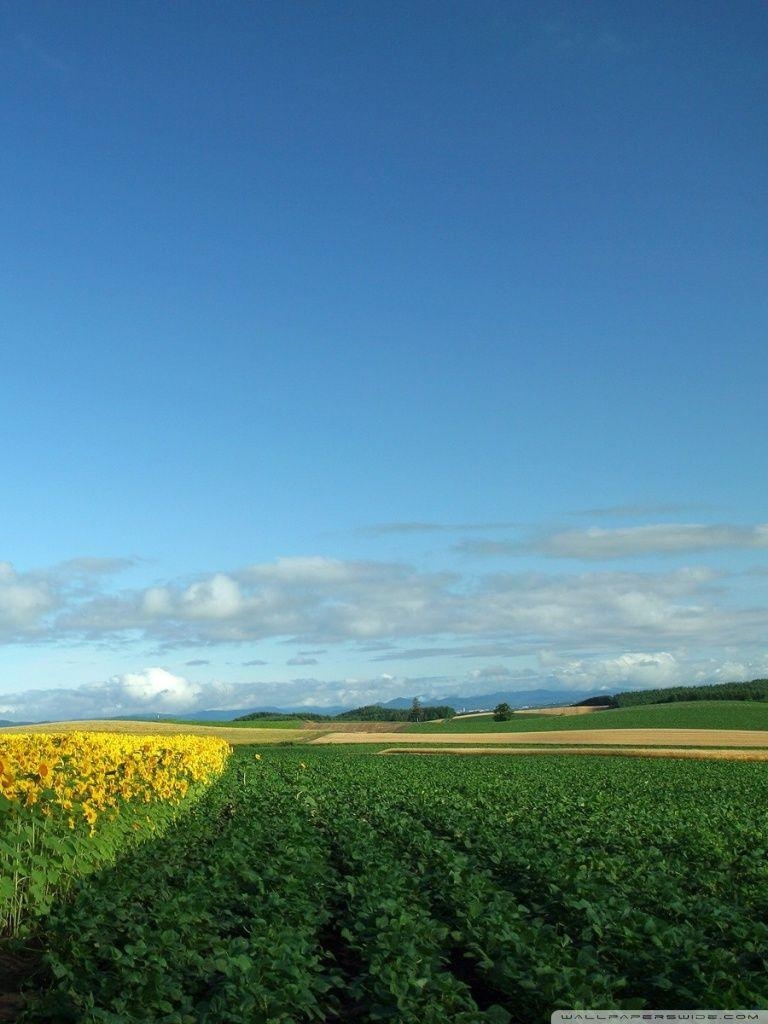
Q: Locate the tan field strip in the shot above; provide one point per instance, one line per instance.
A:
(233, 735)
(554, 737)
(711, 753)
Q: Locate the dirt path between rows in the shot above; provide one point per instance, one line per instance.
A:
(602, 737)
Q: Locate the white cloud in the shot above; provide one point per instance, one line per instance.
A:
(24, 602)
(216, 598)
(148, 691)
(156, 601)
(383, 610)
(317, 601)
(153, 686)
(312, 570)
(630, 670)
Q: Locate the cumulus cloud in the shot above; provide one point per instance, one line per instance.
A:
(397, 612)
(631, 670)
(149, 691)
(380, 605)
(153, 686)
(311, 599)
(216, 598)
(25, 600)
(598, 626)
(649, 670)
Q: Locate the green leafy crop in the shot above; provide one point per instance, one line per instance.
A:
(335, 885)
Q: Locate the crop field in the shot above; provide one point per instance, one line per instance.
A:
(692, 753)
(333, 884)
(565, 709)
(711, 714)
(69, 802)
(735, 738)
(230, 732)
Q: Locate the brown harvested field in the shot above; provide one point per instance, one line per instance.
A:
(233, 735)
(558, 711)
(597, 737)
(684, 752)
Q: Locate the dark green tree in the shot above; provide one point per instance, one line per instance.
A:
(416, 713)
(502, 713)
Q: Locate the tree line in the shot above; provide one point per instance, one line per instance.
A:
(417, 712)
(757, 689)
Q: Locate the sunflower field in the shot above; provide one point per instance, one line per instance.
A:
(69, 801)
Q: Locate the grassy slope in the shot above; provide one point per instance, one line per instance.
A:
(711, 714)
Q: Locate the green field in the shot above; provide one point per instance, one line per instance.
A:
(712, 714)
(316, 885)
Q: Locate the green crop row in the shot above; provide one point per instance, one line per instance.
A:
(330, 885)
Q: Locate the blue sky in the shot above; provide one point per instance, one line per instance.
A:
(352, 351)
